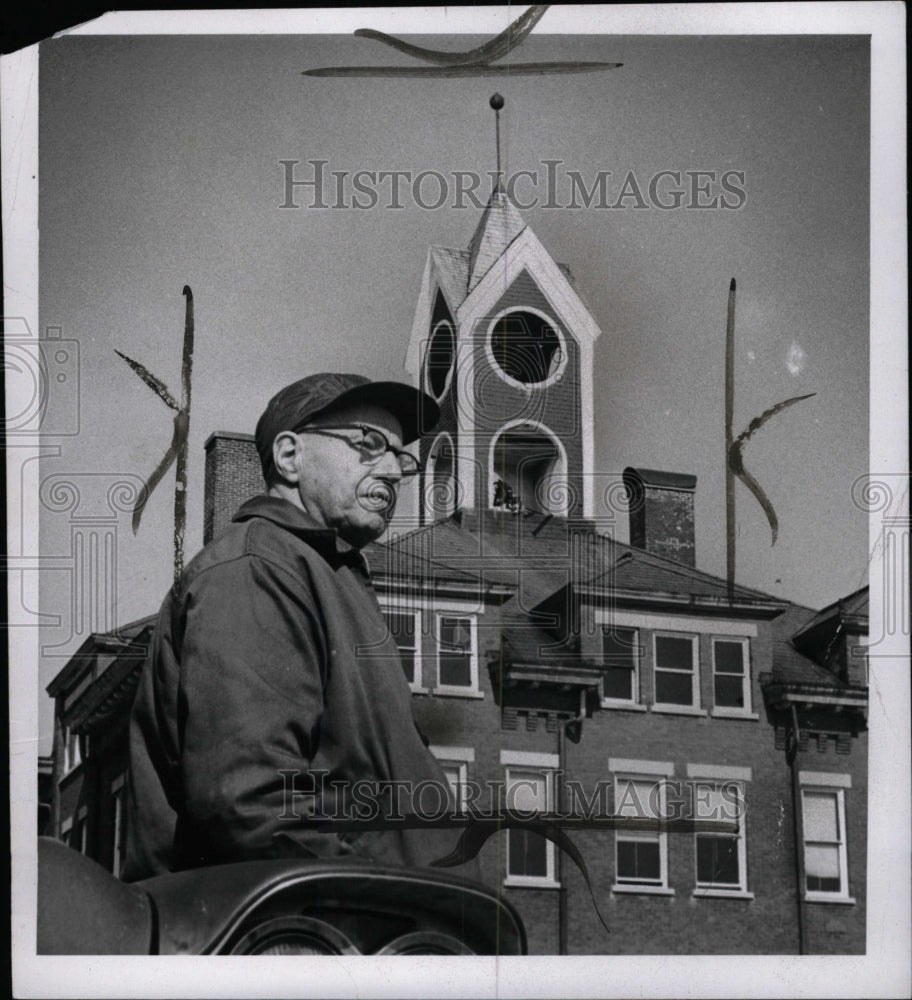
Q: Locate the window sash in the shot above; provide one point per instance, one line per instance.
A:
(734, 855)
(620, 679)
(408, 650)
(526, 849)
(825, 846)
(669, 679)
(636, 796)
(736, 683)
(453, 656)
(456, 774)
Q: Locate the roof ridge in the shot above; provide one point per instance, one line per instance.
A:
(683, 570)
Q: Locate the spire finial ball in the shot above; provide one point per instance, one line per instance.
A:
(496, 102)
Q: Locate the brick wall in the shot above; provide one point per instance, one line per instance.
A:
(233, 476)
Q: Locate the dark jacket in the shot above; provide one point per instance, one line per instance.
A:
(270, 656)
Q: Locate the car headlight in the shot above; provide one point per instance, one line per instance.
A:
(294, 935)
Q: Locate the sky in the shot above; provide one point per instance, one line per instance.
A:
(160, 166)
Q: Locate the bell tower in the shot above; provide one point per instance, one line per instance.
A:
(504, 343)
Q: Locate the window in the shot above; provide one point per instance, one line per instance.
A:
(529, 787)
(676, 673)
(526, 348)
(455, 761)
(721, 859)
(457, 653)
(441, 489)
(72, 755)
(731, 674)
(620, 659)
(641, 861)
(118, 794)
(441, 352)
(825, 862)
(404, 628)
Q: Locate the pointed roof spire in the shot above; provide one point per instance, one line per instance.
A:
(497, 102)
(500, 223)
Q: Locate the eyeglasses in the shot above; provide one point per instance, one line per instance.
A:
(373, 445)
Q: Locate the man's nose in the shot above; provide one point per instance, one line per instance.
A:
(388, 468)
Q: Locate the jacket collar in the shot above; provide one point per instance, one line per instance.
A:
(286, 515)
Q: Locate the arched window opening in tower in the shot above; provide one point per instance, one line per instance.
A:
(441, 490)
(528, 472)
(440, 353)
(526, 347)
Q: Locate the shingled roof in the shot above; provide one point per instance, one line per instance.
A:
(499, 225)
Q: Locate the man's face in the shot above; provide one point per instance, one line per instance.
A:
(337, 485)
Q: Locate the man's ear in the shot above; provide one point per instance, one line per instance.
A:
(284, 451)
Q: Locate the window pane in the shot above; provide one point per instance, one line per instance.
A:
(638, 860)
(618, 683)
(822, 861)
(638, 798)
(528, 793)
(674, 652)
(619, 646)
(717, 860)
(455, 670)
(674, 689)
(729, 691)
(730, 657)
(820, 817)
(452, 772)
(402, 629)
(455, 652)
(528, 854)
(815, 884)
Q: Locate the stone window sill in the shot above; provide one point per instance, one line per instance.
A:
(722, 894)
(643, 890)
(677, 710)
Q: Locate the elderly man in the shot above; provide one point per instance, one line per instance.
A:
(271, 665)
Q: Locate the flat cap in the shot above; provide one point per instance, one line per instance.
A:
(297, 404)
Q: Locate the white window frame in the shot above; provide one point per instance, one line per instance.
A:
(427, 359)
(663, 706)
(730, 711)
(635, 700)
(821, 783)
(717, 782)
(72, 758)
(516, 763)
(659, 776)
(118, 793)
(389, 605)
(460, 758)
(470, 690)
(554, 376)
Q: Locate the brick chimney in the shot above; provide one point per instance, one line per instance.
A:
(233, 476)
(662, 513)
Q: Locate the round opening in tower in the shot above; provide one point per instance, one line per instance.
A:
(526, 347)
(439, 363)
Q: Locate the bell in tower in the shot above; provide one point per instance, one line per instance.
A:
(504, 343)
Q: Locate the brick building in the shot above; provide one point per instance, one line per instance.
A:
(547, 656)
